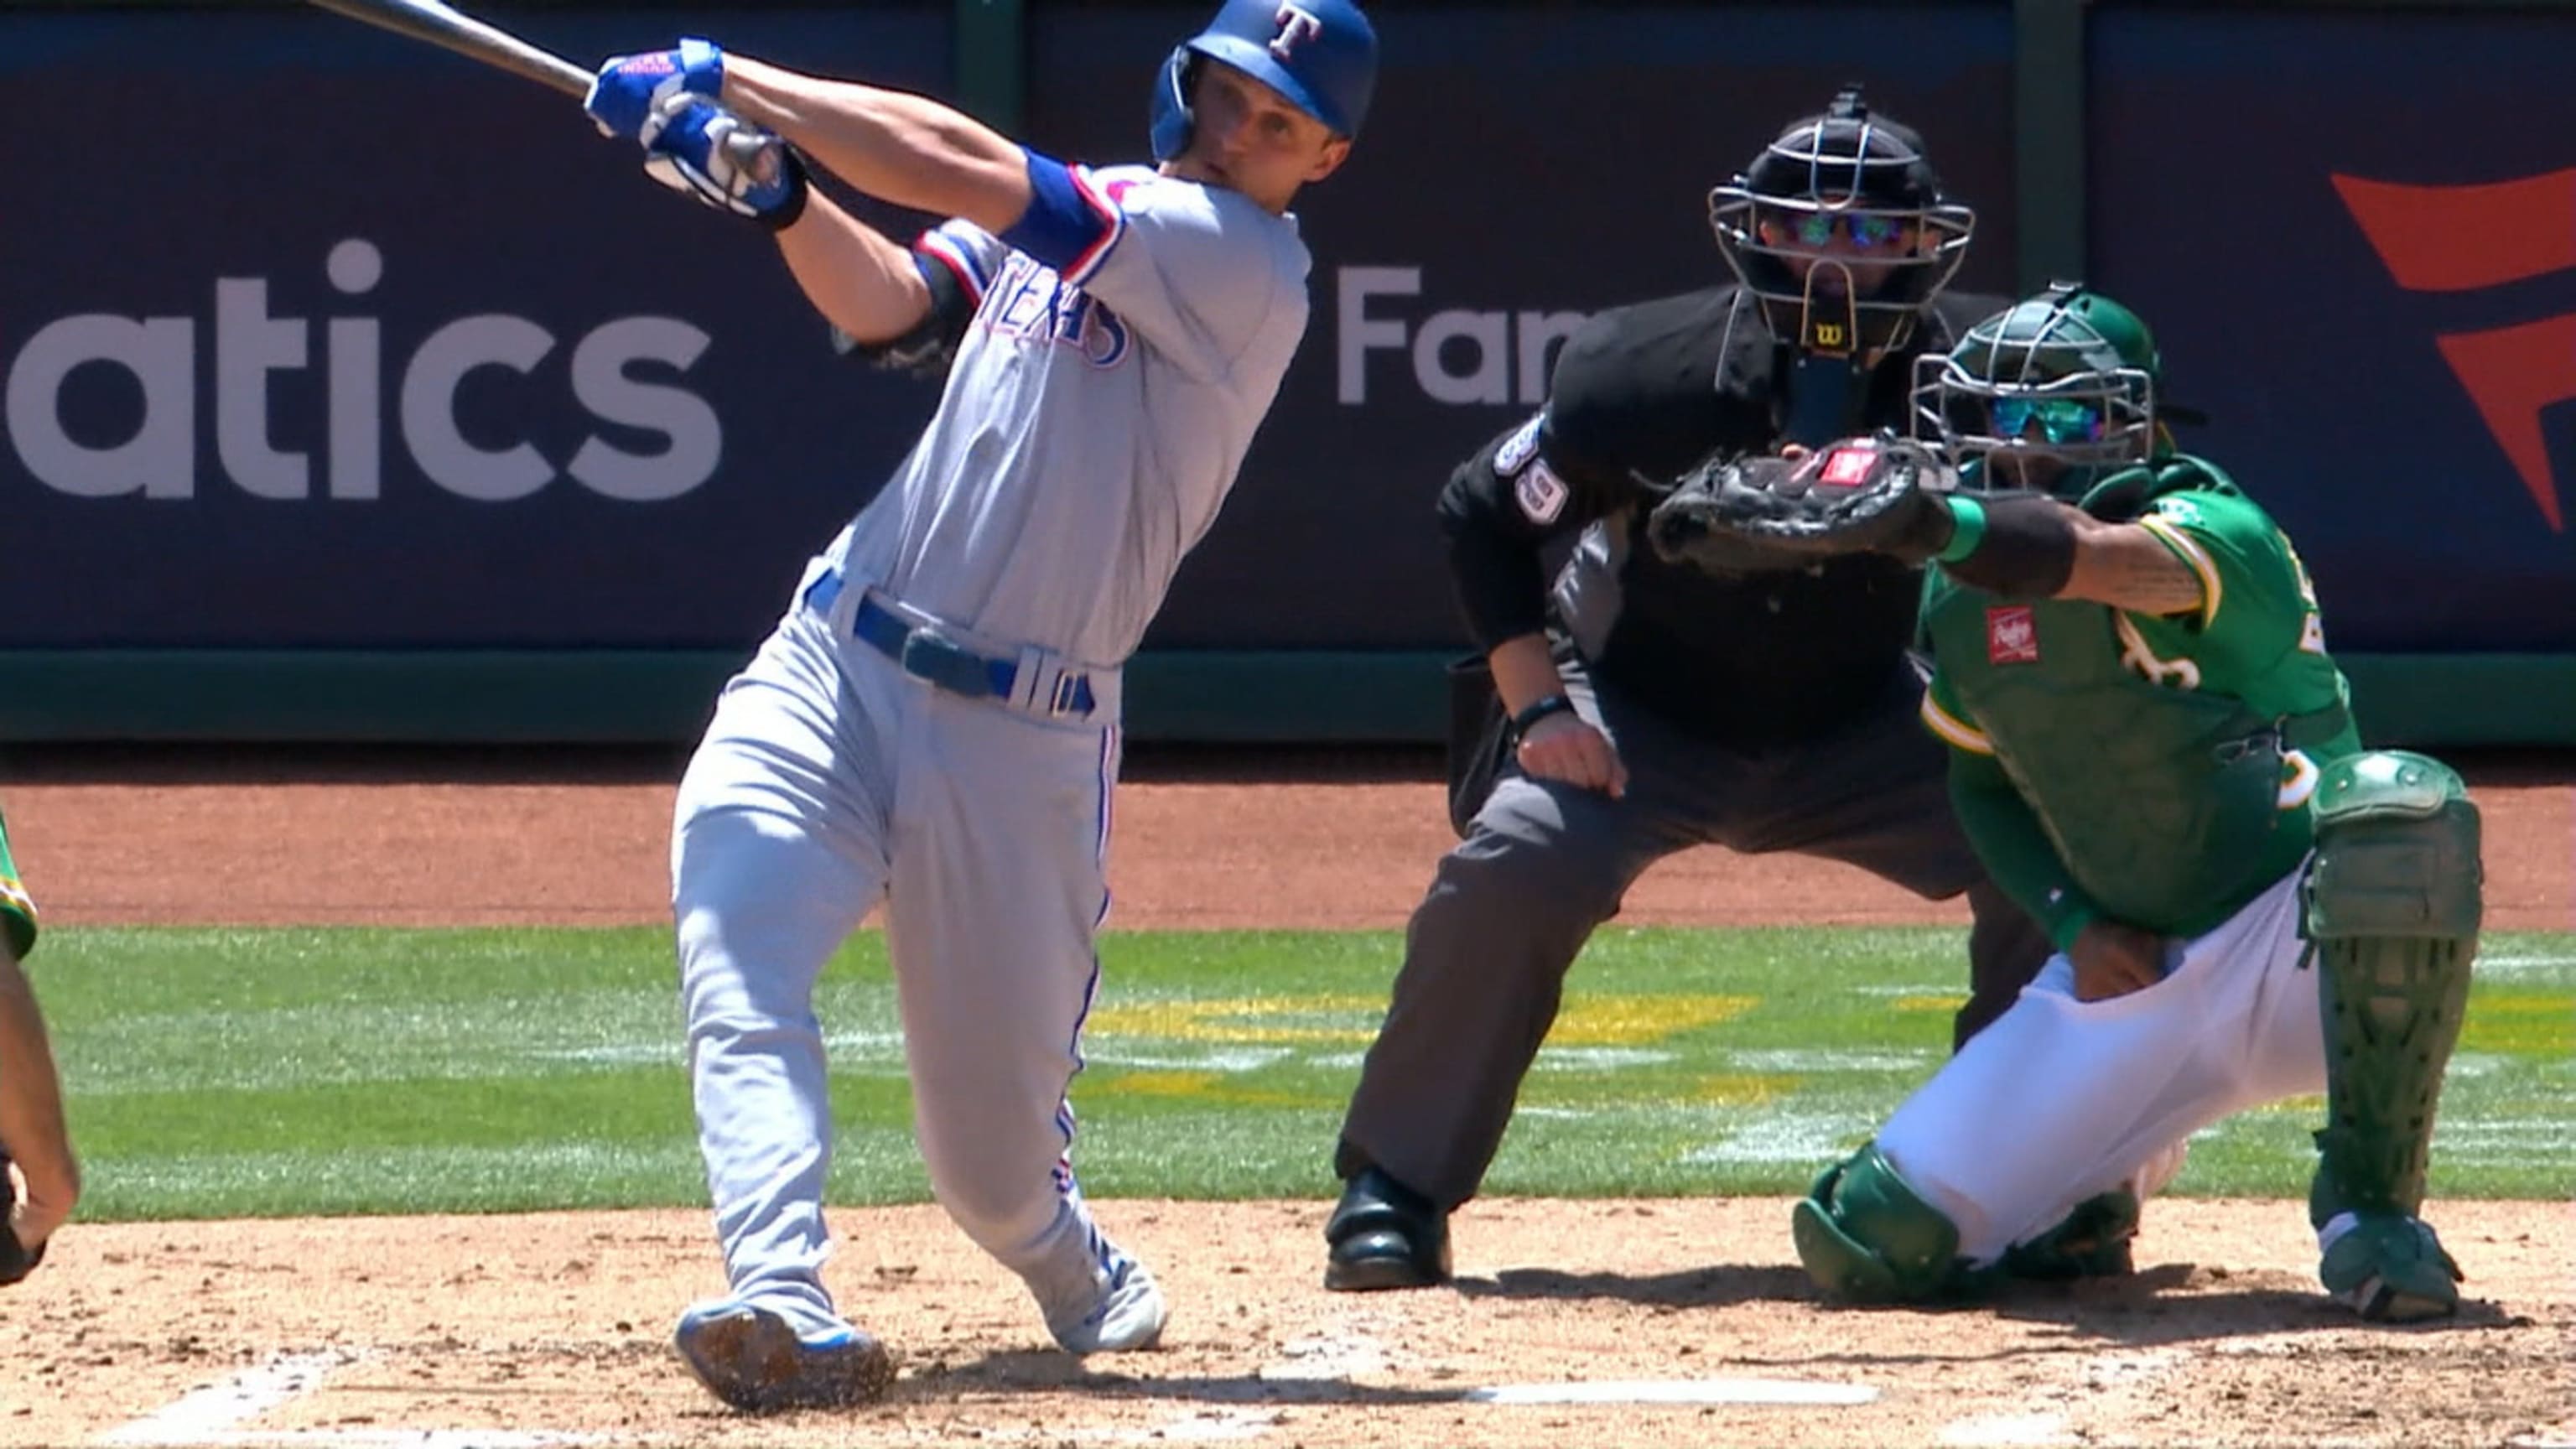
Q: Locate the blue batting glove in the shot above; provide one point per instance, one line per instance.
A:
(699, 147)
(630, 88)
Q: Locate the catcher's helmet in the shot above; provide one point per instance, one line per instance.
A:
(1320, 54)
(1867, 176)
(2068, 374)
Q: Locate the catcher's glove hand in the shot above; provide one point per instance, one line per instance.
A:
(1862, 495)
(16, 1261)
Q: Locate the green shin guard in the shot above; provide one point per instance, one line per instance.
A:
(2392, 904)
(1866, 1236)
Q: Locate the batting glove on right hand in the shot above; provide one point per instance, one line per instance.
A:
(631, 89)
(701, 148)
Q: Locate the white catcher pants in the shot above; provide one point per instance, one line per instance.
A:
(831, 782)
(2062, 1099)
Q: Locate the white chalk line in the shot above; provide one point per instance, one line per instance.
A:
(210, 1418)
(195, 1416)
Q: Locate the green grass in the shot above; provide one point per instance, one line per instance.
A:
(219, 1073)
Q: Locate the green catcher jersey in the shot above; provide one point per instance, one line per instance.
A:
(2165, 762)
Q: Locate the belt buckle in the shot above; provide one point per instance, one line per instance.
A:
(933, 657)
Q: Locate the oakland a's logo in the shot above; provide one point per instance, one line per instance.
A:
(1297, 25)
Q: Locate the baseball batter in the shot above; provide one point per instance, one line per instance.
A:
(43, 1177)
(933, 727)
(2153, 751)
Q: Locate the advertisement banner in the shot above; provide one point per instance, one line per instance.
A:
(316, 337)
(2365, 272)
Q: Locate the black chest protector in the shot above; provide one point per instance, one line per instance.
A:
(1751, 660)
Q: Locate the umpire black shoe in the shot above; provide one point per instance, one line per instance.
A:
(1385, 1235)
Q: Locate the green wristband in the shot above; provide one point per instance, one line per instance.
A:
(2067, 925)
(1967, 529)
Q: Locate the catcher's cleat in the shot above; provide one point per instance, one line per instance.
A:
(1385, 1235)
(2095, 1240)
(750, 1358)
(2390, 1269)
(1113, 1306)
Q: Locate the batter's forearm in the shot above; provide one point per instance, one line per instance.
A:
(31, 1099)
(861, 280)
(901, 148)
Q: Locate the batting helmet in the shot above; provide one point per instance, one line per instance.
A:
(1320, 54)
(1863, 175)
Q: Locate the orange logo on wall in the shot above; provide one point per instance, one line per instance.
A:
(2467, 238)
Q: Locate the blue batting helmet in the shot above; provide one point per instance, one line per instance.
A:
(1320, 54)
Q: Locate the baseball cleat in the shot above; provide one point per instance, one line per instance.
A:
(750, 1358)
(1384, 1235)
(1115, 1308)
(2390, 1269)
(2096, 1239)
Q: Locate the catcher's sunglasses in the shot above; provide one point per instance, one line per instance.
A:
(2061, 419)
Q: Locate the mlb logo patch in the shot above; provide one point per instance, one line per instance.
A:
(1849, 467)
(1520, 447)
(2012, 635)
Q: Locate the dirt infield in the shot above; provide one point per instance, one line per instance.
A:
(1686, 1321)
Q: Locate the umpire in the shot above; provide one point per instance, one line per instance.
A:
(1647, 706)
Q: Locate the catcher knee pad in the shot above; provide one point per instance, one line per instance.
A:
(1865, 1235)
(2392, 903)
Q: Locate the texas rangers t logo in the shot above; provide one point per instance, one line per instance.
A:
(1297, 25)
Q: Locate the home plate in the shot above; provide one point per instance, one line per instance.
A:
(1676, 1391)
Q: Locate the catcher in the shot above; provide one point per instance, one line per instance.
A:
(43, 1178)
(2153, 752)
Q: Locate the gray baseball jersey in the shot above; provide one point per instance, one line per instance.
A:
(934, 728)
(1050, 501)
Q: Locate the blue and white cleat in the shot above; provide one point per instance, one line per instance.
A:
(753, 1360)
(1112, 1308)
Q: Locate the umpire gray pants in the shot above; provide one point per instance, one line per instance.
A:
(1544, 862)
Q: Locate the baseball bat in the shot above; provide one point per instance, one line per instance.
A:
(439, 25)
(442, 25)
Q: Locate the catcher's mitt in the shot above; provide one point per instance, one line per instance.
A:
(1862, 495)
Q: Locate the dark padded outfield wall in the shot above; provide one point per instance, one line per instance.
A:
(2355, 235)
(322, 337)
(366, 346)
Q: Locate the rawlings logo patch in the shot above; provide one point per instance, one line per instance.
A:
(2012, 635)
(1541, 493)
(1519, 448)
(1848, 467)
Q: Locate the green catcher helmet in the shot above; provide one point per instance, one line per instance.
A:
(2068, 374)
